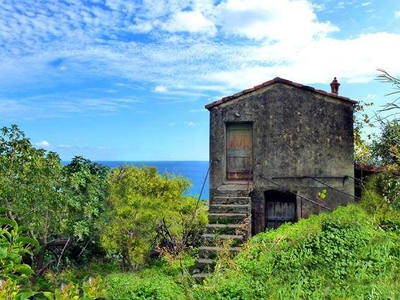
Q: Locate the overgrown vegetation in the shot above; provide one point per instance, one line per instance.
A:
(148, 214)
(342, 255)
(84, 213)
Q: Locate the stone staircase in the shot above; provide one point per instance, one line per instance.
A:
(229, 220)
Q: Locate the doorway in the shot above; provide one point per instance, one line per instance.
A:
(280, 208)
(239, 151)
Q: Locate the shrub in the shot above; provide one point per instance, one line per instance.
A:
(149, 214)
(148, 284)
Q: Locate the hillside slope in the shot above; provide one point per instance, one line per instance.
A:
(345, 254)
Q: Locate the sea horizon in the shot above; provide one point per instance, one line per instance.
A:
(194, 170)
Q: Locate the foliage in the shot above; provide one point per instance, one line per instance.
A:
(362, 122)
(148, 284)
(383, 152)
(382, 193)
(14, 244)
(61, 206)
(91, 289)
(16, 276)
(386, 148)
(149, 213)
(85, 190)
(381, 198)
(29, 183)
(346, 254)
(85, 186)
(330, 256)
(9, 289)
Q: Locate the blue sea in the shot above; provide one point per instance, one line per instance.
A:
(195, 171)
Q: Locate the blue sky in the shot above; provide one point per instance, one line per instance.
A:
(128, 80)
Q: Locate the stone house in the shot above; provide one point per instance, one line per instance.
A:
(287, 146)
(279, 151)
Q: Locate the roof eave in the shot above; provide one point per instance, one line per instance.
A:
(278, 80)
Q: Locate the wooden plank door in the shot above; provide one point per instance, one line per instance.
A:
(280, 208)
(239, 151)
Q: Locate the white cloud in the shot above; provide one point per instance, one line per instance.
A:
(354, 60)
(190, 123)
(190, 21)
(366, 3)
(14, 110)
(43, 144)
(269, 20)
(160, 89)
(64, 146)
(191, 48)
(397, 14)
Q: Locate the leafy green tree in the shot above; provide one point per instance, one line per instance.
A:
(382, 195)
(149, 213)
(84, 190)
(386, 149)
(60, 205)
(381, 147)
(30, 185)
(362, 123)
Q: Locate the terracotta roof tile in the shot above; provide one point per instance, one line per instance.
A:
(282, 81)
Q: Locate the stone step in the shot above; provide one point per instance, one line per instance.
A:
(210, 252)
(231, 200)
(229, 208)
(235, 189)
(205, 264)
(199, 277)
(223, 228)
(212, 239)
(226, 228)
(227, 218)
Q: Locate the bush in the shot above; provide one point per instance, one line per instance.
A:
(381, 198)
(149, 215)
(148, 284)
(16, 276)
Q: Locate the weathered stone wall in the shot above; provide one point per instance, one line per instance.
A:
(296, 133)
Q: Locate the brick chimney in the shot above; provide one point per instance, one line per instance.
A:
(335, 86)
